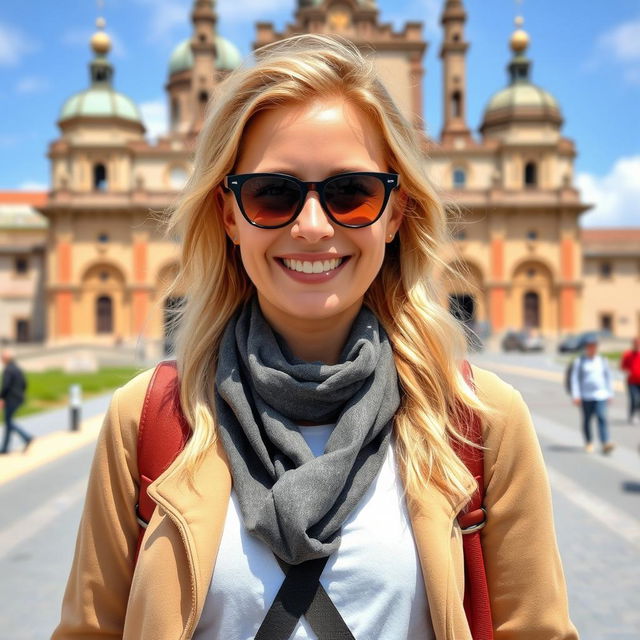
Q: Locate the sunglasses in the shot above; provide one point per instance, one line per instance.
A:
(274, 200)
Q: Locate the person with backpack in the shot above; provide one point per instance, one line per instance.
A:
(630, 364)
(592, 391)
(311, 456)
(14, 385)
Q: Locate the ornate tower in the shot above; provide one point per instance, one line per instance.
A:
(203, 49)
(453, 54)
(398, 55)
(196, 65)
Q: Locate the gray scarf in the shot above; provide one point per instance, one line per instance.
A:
(292, 501)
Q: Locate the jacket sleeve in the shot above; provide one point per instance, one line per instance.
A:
(6, 382)
(95, 599)
(525, 578)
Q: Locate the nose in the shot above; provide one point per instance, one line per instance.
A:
(312, 223)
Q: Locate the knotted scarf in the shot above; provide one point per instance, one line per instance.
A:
(289, 499)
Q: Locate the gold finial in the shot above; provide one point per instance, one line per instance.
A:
(100, 41)
(520, 38)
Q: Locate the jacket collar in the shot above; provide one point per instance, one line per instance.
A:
(201, 530)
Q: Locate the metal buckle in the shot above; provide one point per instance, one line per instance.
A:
(141, 521)
(472, 528)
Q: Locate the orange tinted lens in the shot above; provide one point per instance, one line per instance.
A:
(270, 201)
(355, 200)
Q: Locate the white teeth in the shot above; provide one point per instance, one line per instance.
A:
(317, 266)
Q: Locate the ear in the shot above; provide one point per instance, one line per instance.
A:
(398, 204)
(224, 201)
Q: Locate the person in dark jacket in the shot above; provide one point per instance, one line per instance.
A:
(14, 385)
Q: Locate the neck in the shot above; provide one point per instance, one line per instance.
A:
(312, 339)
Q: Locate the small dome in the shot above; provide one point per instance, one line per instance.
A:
(100, 102)
(228, 56)
(522, 95)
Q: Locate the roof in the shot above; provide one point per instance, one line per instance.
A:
(228, 57)
(34, 198)
(101, 102)
(611, 242)
(18, 210)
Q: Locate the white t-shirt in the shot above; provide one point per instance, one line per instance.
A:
(374, 578)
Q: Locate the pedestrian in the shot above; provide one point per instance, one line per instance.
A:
(592, 391)
(630, 363)
(14, 384)
(320, 377)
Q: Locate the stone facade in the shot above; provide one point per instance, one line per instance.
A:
(517, 252)
(611, 277)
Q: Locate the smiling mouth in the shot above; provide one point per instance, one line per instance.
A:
(315, 266)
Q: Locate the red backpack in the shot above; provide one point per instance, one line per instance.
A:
(163, 433)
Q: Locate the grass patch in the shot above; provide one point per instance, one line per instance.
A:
(50, 389)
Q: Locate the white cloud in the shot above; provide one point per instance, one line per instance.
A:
(154, 116)
(32, 84)
(14, 45)
(623, 41)
(616, 195)
(620, 44)
(32, 185)
(165, 16)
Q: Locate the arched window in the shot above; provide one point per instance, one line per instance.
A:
(99, 177)
(459, 178)
(104, 315)
(531, 311)
(530, 174)
(456, 104)
(175, 112)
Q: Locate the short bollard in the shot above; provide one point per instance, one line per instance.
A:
(75, 402)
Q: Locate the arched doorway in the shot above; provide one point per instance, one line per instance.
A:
(104, 315)
(531, 310)
(101, 310)
(532, 303)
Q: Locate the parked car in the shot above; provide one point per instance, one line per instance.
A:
(575, 342)
(522, 341)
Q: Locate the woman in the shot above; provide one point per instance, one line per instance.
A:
(318, 370)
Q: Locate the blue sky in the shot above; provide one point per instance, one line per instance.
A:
(586, 53)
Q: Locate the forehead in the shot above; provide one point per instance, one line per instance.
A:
(320, 132)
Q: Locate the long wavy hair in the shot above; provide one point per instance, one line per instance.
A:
(427, 341)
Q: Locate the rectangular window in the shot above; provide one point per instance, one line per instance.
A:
(21, 266)
(606, 322)
(606, 270)
(22, 330)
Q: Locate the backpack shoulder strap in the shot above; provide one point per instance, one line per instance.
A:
(476, 592)
(162, 434)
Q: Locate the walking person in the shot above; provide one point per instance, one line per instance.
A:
(323, 392)
(14, 385)
(630, 363)
(592, 391)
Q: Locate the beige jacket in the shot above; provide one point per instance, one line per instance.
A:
(163, 598)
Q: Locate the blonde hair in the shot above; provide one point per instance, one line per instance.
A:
(427, 342)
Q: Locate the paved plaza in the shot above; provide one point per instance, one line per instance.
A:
(596, 504)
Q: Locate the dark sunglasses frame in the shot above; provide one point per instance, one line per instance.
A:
(234, 183)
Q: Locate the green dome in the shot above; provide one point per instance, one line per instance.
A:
(228, 57)
(100, 102)
(522, 95)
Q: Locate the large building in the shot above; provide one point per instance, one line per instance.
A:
(517, 245)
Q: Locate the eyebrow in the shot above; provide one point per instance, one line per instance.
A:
(333, 172)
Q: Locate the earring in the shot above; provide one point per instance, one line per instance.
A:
(390, 237)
